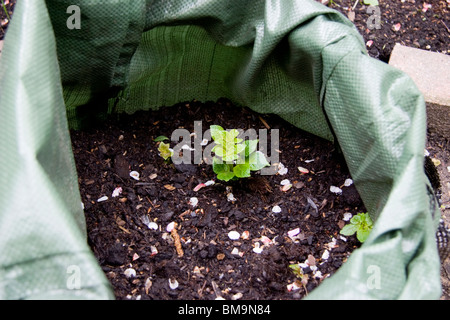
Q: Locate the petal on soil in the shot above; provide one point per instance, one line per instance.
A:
(276, 209)
(173, 284)
(170, 226)
(193, 201)
(117, 191)
(335, 190)
(325, 255)
(130, 273)
(348, 182)
(234, 235)
(293, 232)
(282, 170)
(230, 197)
(303, 170)
(134, 175)
(397, 27)
(199, 186)
(347, 216)
(104, 198)
(257, 248)
(245, 235)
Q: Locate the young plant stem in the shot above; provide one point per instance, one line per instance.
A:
(6, 11)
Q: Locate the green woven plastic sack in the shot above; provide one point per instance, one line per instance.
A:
(298, 59)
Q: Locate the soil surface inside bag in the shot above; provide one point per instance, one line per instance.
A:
(210, 264)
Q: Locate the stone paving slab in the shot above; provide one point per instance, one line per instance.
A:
(429, 70)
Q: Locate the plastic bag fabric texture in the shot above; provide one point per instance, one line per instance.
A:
(298, 59)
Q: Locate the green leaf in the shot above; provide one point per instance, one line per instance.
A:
(242, 170)
(250, 146)
(219, 150)
(368, 220)
(219, 167)
(296, 269)
(226, 176)
(232, 134)
(357, 220)
(348, 230)
(257, 161)
(371, 2)
(164, 150)
(217, 133)
(362, 235)
(160, 138)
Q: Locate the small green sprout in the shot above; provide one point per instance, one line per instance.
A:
(361, 224)
(160, 138)
(234, 157)
(298, 272)
(371, 2)
(165, 151)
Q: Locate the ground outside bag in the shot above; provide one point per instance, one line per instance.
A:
(298, 59)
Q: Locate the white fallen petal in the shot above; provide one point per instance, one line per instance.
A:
(204, 142)
(293, 286)
(130, 273)
(148, 285)
(170, 226)
(348, 182)
(186, 147)
(193, 201)
(230, 197)
(325, 255)
(173, 284)
(266, 240)
(236, 296)
(117, 191)
(134, 175)
(293, 232)
(303, 170)
(234, 235)
(235, 251)
(153, 250)
(152, 225)
(335, 190)
(209, 183)
(285, 182)
(332, 244)
(282, 170)
(276, 209)
(104, 198)
(257, 248)
(347, 216)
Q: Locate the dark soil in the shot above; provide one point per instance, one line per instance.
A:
(209, 267)
(426, 29)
